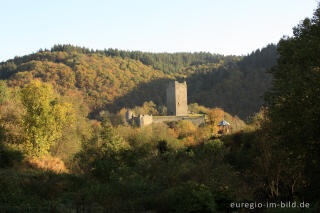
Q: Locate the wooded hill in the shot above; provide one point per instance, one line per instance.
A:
(112, 79)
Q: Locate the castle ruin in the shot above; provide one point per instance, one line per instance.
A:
(177, 108)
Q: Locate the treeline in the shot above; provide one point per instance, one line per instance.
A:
(167, 62)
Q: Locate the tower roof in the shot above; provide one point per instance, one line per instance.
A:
(224, 123)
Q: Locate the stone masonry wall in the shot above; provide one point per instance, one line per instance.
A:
(195, 120)
(145, 120)
(177, 103)
(181, 99)
(171, 100)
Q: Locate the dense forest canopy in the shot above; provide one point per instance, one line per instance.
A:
(112, 79)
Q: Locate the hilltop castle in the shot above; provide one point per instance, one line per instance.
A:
(177, 108)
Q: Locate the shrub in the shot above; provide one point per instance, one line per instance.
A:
(190, 197)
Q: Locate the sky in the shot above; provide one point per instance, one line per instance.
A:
(216, 26)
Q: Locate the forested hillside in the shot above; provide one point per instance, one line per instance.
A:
(112, 79)
(236, 86)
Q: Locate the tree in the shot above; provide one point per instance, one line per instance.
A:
(214, 116)
(103, 154)
(4, 92)
(46, 117)
(185, 128)
(294, 100)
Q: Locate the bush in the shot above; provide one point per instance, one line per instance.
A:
(9, 156)
(190, 197)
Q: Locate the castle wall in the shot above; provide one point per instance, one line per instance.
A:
(129, 115)
(195, 120)
(144, 120)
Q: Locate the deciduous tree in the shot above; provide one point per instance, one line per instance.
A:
(46, 117)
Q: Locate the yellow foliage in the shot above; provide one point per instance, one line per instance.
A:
(185, 128)
(45, 117)
(48, 163)
(189, 141)
(214, 116)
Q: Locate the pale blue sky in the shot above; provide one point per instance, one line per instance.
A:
(216, 26)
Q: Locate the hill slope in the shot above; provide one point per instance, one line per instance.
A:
(112, 79)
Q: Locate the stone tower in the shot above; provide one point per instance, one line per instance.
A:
(177, 103)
